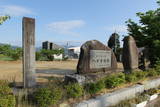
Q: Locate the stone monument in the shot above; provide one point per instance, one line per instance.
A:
(130, 54)
(96, 57)
(28, 34)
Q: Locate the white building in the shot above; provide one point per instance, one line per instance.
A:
(74, 52)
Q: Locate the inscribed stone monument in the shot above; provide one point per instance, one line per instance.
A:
(96, 57)
(28, 30)
(130, 53)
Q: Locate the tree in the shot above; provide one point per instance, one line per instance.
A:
(147, 32)
(3, 19)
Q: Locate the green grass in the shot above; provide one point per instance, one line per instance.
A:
(5, 58)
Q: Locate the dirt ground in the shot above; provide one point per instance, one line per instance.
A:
(12, 70)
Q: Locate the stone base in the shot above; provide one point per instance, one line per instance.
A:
(74, 78)
(86, 78)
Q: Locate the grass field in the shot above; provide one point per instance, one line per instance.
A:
(12, 70)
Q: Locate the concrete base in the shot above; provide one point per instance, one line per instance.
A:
(114, 98)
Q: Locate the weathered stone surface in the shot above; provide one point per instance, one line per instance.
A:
(130, 54)
(96, 57)
(75, 78)
(29, 79)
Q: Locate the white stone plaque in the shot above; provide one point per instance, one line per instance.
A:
(100, 59)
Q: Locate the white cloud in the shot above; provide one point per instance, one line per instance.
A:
(66, 27)
(14, 10)
(117, 28)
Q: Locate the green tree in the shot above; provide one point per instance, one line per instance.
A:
(3, 19)
(49, 53)
(147, 32)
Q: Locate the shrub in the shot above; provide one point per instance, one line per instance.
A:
(151, 73)
(139, 75)
(45, 97)
(74, 90)
(100, 85)
(114, 80)
(93, 88)
(7, 99)
(130, 77)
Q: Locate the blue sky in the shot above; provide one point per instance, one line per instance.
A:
(75, 21)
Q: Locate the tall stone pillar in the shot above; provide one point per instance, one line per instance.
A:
(28, 33)
(130, 53)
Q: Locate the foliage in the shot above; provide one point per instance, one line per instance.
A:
(45, 97)
(147, 33)
(49, 53)
(7, 50)
(135, 76)
(151, 73)
(114, 80)
(130, 77)
(7, 99)
(139, 74)
(74, 90)
(3, 19)
(93, 88)
(15, 54)
(38, 56)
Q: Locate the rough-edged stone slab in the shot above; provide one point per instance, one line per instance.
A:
(92, 53)
(130, 53)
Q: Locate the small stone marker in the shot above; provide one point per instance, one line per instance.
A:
(28, 30)
(96, 57)
(130, 54)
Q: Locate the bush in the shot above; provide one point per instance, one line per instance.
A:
(130, 77)
(7, 99)
(45, 97)
(140, 75)
(74, 90)
(114, 80)
(93, 88)
(151, 73)
(135, 76)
